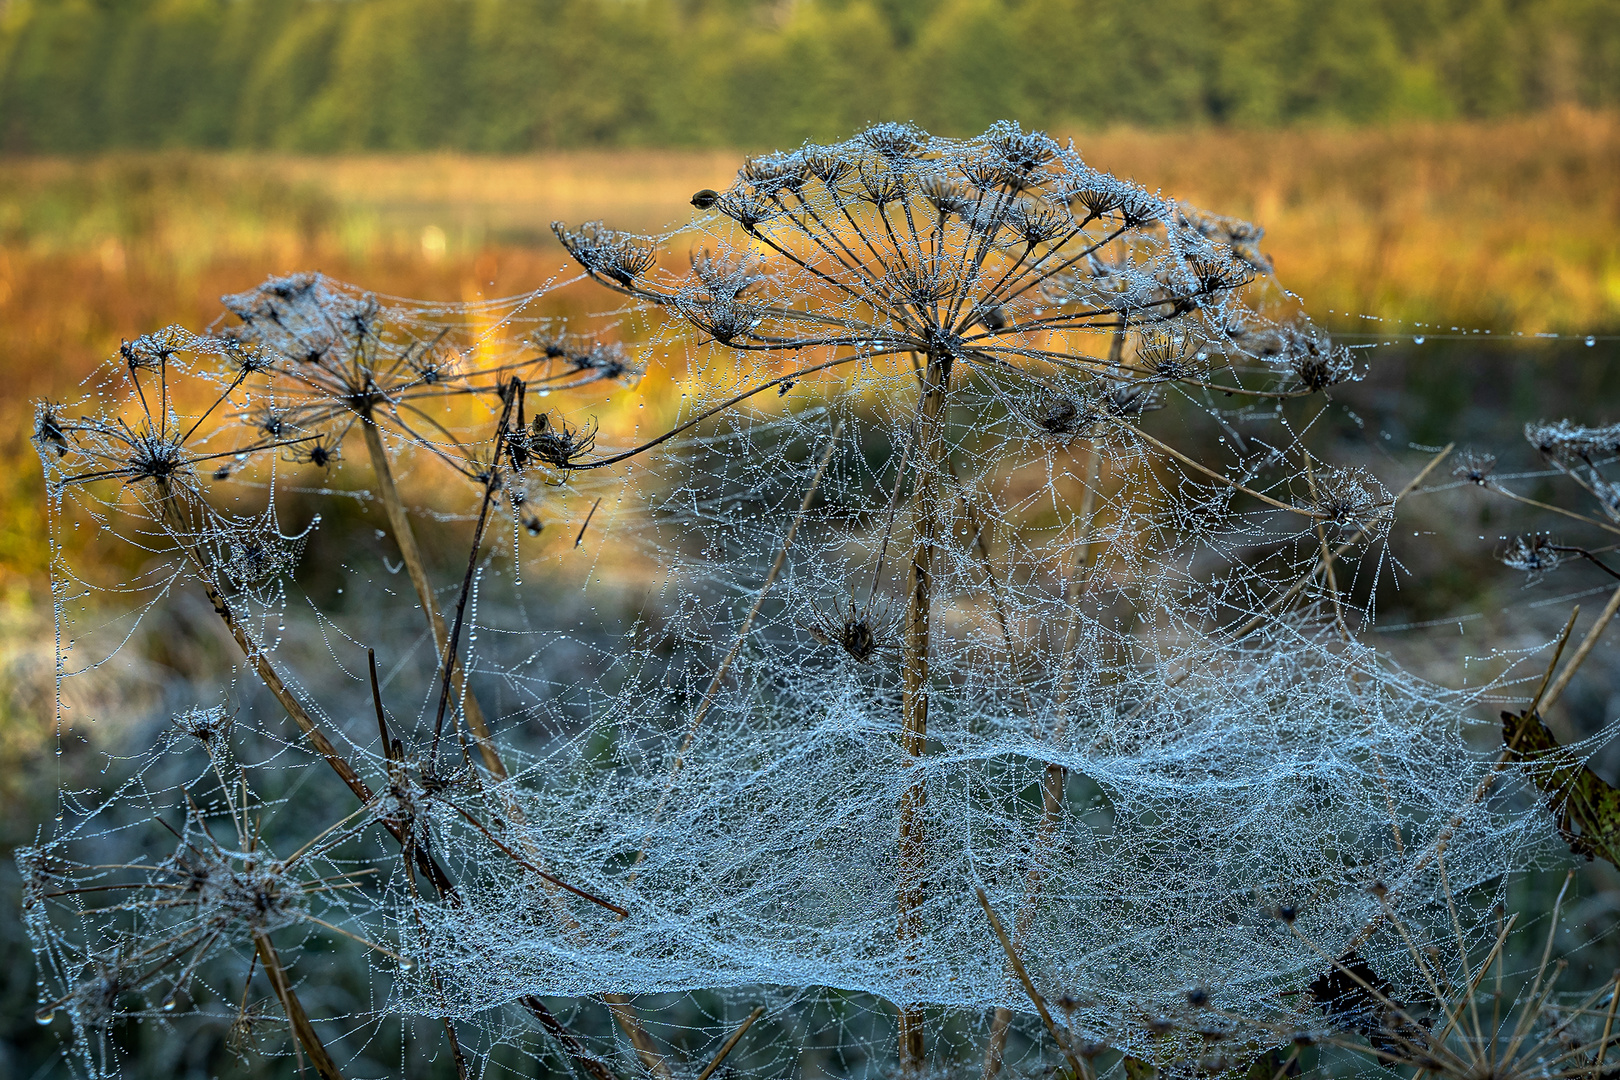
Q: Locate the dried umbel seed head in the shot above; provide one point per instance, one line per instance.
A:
(556, 442)
(1214, 275)
(618, 256)
(321, 451)
(775, 172)
(894, 140)
(862, 634)
(1475, 466)
(205, 725)
(1097, 199)
(1534, 554)
(1317, 363)
(1022, 151)
(1567, 442)
(154, 455)
(1061, 414)
(1352, 497)
(150, 351)
(947, 196)
(48, 428)
(748, 208)
(1164, 356)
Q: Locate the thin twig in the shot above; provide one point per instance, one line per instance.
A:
(1058, 1036)
(742, 1028)
(1556, 691)
(490, 486)
(303, 1030)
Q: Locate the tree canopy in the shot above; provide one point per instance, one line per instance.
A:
(515, 75)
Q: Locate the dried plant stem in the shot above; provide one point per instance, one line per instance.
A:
(1058, 1035)
(405, 538)
(726, 1048)
(572, 1045)
(303, 1030)
(1556, 690)
(914, 699)
(1539, 505)
(647, 1050)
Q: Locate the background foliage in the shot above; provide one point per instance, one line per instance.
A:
(514, 75)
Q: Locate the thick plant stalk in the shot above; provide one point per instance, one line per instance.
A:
(405, 538)
(303, 1030)
(914, 701)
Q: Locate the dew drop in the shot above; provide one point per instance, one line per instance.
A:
(406, 964)
(168, 1004)
(1590, 341)
(1418, 340)
(45, 1016)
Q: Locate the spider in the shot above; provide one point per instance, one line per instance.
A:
(321, 452)
(860, 633)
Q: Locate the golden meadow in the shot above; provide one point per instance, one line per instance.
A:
(1506, 226)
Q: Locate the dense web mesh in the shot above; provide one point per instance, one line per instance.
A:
(966, 535)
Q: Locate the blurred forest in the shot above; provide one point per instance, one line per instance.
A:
(516, 75)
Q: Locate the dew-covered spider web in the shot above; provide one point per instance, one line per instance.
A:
(964, 533)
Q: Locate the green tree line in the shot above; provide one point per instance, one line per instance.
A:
(512, 75)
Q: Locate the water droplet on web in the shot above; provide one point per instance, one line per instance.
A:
(406, 964)
(45, 1016)
(168, 1004)
(1418, 340)
(1590, 341)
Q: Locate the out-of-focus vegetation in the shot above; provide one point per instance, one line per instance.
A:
(517, 75)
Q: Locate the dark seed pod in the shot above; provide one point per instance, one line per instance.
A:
(705, 199)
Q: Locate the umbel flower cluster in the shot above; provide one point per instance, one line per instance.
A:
(978, 632)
